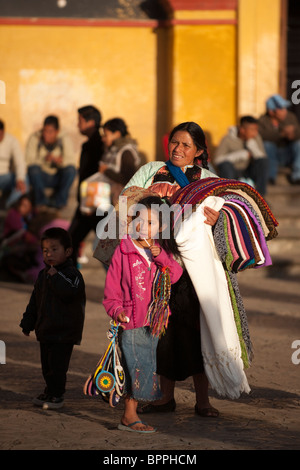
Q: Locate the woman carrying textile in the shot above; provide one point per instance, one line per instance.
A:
(215, 348)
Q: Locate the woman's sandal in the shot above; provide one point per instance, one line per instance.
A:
(209, 412)
(150, 408)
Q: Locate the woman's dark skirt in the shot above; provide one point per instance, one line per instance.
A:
(179, 350)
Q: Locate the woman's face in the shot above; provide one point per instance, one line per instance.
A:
(182, 150)
(109, 137)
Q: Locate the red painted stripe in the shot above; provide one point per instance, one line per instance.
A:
(76, 22)
(110, 23)
(195, 5)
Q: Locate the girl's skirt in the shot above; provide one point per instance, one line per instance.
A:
(138, 348)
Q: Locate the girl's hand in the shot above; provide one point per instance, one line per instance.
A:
(122, 318)
(155, 250)
(211, 215)
(52, 271)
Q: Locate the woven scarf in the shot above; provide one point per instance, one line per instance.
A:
(178, 174)
(159, 310)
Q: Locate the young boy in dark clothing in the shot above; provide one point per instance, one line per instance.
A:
(56, 312)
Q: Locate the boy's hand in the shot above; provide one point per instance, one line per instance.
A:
(155, 250)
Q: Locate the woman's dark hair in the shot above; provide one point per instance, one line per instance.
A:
(166, 238)
(198, 137)
(116, 124)
(60, 234)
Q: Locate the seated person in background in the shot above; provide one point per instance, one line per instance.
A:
(19, 245)
(241, 154)
(51, 164)
(12, 177)
(280, 131)
(121, 158)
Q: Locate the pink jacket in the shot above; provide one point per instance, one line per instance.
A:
(128, 285)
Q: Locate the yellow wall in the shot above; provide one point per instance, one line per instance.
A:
(204, 77)
(258, 54)
(201, 67)
(56, 69)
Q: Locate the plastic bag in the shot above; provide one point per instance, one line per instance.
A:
(95, 192)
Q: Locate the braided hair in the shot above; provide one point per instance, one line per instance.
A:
(198, 138)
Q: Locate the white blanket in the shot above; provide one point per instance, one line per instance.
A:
(219, 338)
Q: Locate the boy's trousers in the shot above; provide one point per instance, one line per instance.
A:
(55, 359)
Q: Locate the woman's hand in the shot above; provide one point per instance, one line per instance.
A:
(211, 216)
(102, 167)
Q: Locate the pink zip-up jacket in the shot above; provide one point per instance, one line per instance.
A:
(129, 280)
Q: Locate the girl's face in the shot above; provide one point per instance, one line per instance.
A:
(25, 207)
(148, 225)
(109, 137)
(54, 253)
(182, 150)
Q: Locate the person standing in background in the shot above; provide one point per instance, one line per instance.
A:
(89, 121)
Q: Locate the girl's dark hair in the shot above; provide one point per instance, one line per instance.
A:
(116, 124)
(156, 203)
(60, 234)
(18, 202)
(198, 137)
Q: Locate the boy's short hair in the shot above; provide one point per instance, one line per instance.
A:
(51, 121)
(60, 234)
(91, 113)
(248, 120)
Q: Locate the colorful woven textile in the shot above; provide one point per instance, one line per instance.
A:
(196, 192)
(248, 220)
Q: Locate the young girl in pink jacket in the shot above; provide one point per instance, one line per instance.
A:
(136, 295)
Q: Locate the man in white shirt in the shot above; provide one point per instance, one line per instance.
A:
(51, 163)
(12, 167)
(241, 154)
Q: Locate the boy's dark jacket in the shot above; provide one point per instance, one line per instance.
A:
(57, 306)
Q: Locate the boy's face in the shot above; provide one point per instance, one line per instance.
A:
(54, 252)
(248, 131)
(49, 134)
(84, 125)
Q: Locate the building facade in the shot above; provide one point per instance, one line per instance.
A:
(154, 63)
